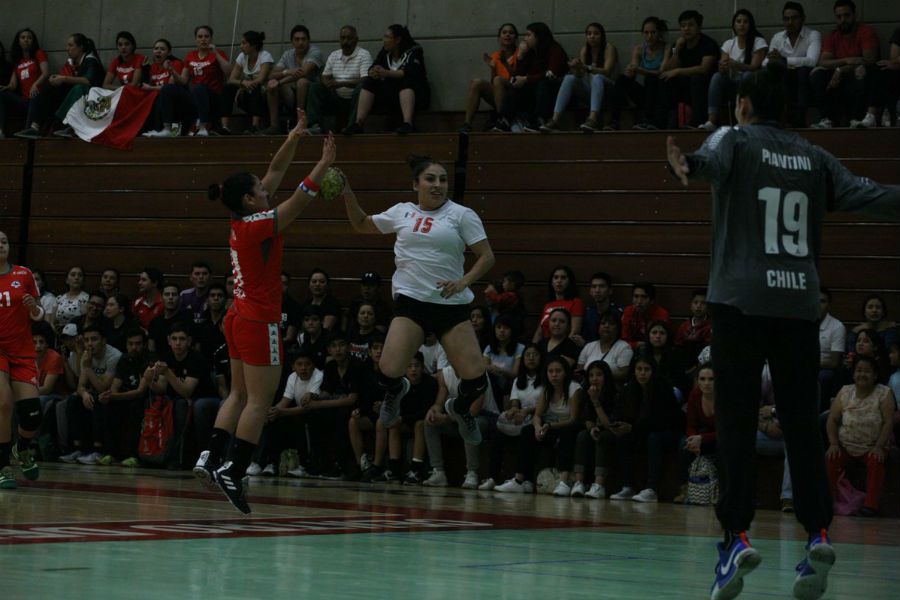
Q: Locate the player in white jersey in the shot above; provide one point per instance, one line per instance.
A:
(431, 288)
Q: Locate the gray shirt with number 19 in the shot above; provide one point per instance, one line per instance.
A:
(771, 189)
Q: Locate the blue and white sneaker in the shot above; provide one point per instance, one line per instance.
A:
(390, 408)
(735, 562)
(812, 571)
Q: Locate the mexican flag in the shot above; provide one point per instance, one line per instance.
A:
(111, 118)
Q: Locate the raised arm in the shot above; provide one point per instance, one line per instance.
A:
(288, 210)
(359, 220)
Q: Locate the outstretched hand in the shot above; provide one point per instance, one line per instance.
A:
(677, 160)
(300, 128)
(329, 150)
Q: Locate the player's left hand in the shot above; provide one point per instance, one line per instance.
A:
(677, 160)
(300, 128)
(449, 288)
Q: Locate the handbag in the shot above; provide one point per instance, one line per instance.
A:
(703, 481)
(847, 499)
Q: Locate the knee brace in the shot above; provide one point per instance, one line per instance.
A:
(469, 391)
(29, 413)
(391, 385)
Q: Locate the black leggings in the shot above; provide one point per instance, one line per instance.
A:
(529, 448)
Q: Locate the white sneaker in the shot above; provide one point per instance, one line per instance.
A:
(708, 126)
(867, 122)
(823, 124)
(562, 489)
(437, 479)
(578, 489)
(511, 485)
(597, 491)
(488, 484)
(646, 495)
(528, 487)
(298, 472)
(626, 493)
(90, 459)
(71, 457)
(160, 133)
(517, 127)
(471, 481)
(269, 470)
(886, 118)
(254, 469)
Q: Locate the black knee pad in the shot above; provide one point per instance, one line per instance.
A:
(29, 413)
(391, 385)
(469, 391)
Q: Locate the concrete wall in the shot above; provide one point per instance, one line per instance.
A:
(454, 33)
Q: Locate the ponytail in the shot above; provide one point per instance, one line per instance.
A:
(231, 192)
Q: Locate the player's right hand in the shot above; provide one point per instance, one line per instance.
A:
(677, 160)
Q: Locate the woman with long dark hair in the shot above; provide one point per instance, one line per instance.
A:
(125, 68)
(247, 81)
(30, 71)
(562, 292)
(166, 76)
(600, 396)
(646, 61)
(502, 64)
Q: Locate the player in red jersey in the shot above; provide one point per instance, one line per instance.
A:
(252, 322)
(18, 367)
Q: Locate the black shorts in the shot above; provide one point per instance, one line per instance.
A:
(432, 318)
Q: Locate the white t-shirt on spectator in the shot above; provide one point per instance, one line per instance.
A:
(735, 52)
(560, 411)
(452, 381)
(618, 357)
(528, 398)
(832, 337)
(345, 68)
(429, 248)
(250, 72)
(288, 60)
(296, 388)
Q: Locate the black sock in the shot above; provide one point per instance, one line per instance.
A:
(418, 465)
(218, 443)
(241, 454)
(391, 385)
(394, 465)
(5, 449)
(23, 443)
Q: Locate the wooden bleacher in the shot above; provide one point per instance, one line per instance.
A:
(13, 158)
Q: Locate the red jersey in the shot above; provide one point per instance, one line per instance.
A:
(206, 70)
(28, 70)
(635, 324)
(159, 74)
(124, 71)
(841, 46)
(256, 253)
(52, 364)
(15, 320)
(144, 312)
(575, 307)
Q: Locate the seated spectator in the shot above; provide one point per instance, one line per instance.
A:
(596, 438)
(562, 292)
(870, 344)
(291, 77)
(28, 78)
(560, 343)
(608, 347)
(894, 380)
(109, 282)
(799, 47)
(875, 313)
(502, 64)
(686, 72)
(696, 333)
(313, 339)
(160, 326)
(480, 318)
(435, 357)
(770, 437)
(229, 289)
(364, 417)
(47, 298)
(50, 365)
(556, 423)
(832, 341)
(168, 76)
(205, 410)
(370, 293)
(73, 303)
(148, 304)
(509, 300)
(844, 81)
(601, 301)
(117, 312)
(285, 422)
(87, 414)
(339, 87)
(741, 56)
(526, 390)
(397, 79)
(93, 314)
(208, 336)
(193, 300)
(125, 68)
(541, 63)
(859, 429)
(246, 85)
(636, 318)
(589, 79)
(206, 69)
(503, 355)
(439, 424)
(363, 333)
(127, 394)
(890, 85)
(670, 363)
(700, 429)
(82, 71)
(654, 419)
(646, 61)
(291, 318)
(320, 296)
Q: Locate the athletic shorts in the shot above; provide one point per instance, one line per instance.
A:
(432, 318)
(20, 369)
(253, 342)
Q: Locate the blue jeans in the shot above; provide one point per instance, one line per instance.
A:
(723, 85)
(590, 93)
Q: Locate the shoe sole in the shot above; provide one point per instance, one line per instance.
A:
(821, 558)
(746, 563)
(206, 479)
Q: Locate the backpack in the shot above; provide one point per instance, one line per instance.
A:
(162, 430)
(703, 481)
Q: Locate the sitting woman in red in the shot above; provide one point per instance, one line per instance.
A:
(124, 69)
(28, 77)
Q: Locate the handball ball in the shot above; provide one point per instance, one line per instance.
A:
(333, 183)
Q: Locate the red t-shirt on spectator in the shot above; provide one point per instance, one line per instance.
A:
(841, 46)
(697, 421)
(52, 364)
(160, 75)
(144, 312)
(206, 70)
(28, 70)
(124, 71)
(688, 332)
(575, 307)
(635, 324)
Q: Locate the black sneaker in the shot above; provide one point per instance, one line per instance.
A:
(336, 473)
(371, 474)
(29, 133)
(465, 128)
(234, 485)
(205, 471)
(353, 129)
(413, 478)
(501, 126)
(387, 476)
(405, 128)
(66, 132)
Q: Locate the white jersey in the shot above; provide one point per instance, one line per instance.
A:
(452, 381)
(430, 247)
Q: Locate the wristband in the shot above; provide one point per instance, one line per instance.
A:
(309, 186)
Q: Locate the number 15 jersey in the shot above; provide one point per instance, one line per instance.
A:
(771, 190)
